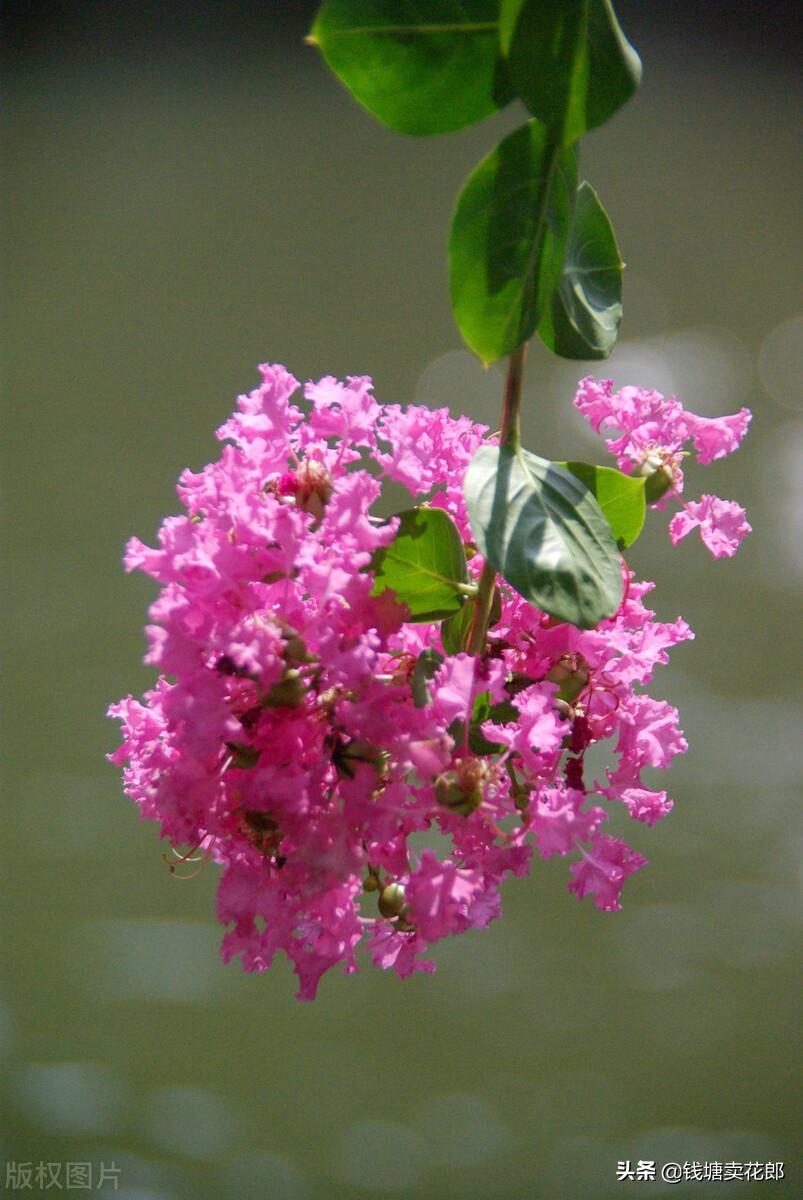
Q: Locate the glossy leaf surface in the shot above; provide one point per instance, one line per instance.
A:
(425, 565)
(420, 68)
(456, 631)
(508, 240)
(542, 530)
(582, 319)
(569, 62)
(620, 496)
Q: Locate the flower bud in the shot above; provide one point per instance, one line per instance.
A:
(393, 905)
(314, 487)
(572, 675)
(659, 476)
(460, 789)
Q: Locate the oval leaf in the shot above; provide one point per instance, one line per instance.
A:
(425, 565)
(569, 62)
(508, 240)
(544, 532)
(621, 497)
(582, 320)
(421, 69)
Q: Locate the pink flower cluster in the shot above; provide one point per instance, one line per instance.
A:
(651, 433)
(307, 737)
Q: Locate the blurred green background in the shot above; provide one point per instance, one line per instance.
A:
(188, 193)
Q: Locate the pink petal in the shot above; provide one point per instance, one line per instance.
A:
(722, 524)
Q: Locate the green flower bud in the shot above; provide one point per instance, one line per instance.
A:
(392, 900)
(659, 477)
(460, 789)
(571, 674)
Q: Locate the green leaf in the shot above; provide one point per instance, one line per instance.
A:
(456, 631)
(542, 530)
(420, 68)
(425, 565)
(428, 662)
(569, 62)
(621, 497)
(508, 240)
(582, 320)
(501, 714)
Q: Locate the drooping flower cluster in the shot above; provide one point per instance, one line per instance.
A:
(311, 740)
(652, 432)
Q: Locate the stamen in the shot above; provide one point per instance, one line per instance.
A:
(189, 857)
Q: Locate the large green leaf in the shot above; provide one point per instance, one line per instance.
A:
(621, 497)
(420, 68)
(542, 530)
(569, 62)
(582, 319)
(425, 565)
(508, 240)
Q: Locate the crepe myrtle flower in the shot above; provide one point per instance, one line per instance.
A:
(289, 738)
(651, 432)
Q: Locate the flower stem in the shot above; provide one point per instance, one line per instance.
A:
(510, 435)
(479, 628)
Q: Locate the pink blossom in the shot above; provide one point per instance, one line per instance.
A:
(455, 686)
(284, 740)
(539, 729)
(642, 803)
(603, 869)
(647, 422)
(397, 951)
(558, 820)
(651, 432)
(346, 411)
(442, 896)
(722, 524)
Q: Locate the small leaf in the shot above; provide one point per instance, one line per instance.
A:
(544, 532)
(621, 497)
(569, 62)
(420, 68)
(428, 662)
(456, 630)
(501, 714)
(425, 565)
(582, 320)
(508, 240)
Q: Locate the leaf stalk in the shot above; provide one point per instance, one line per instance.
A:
(510, 435)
